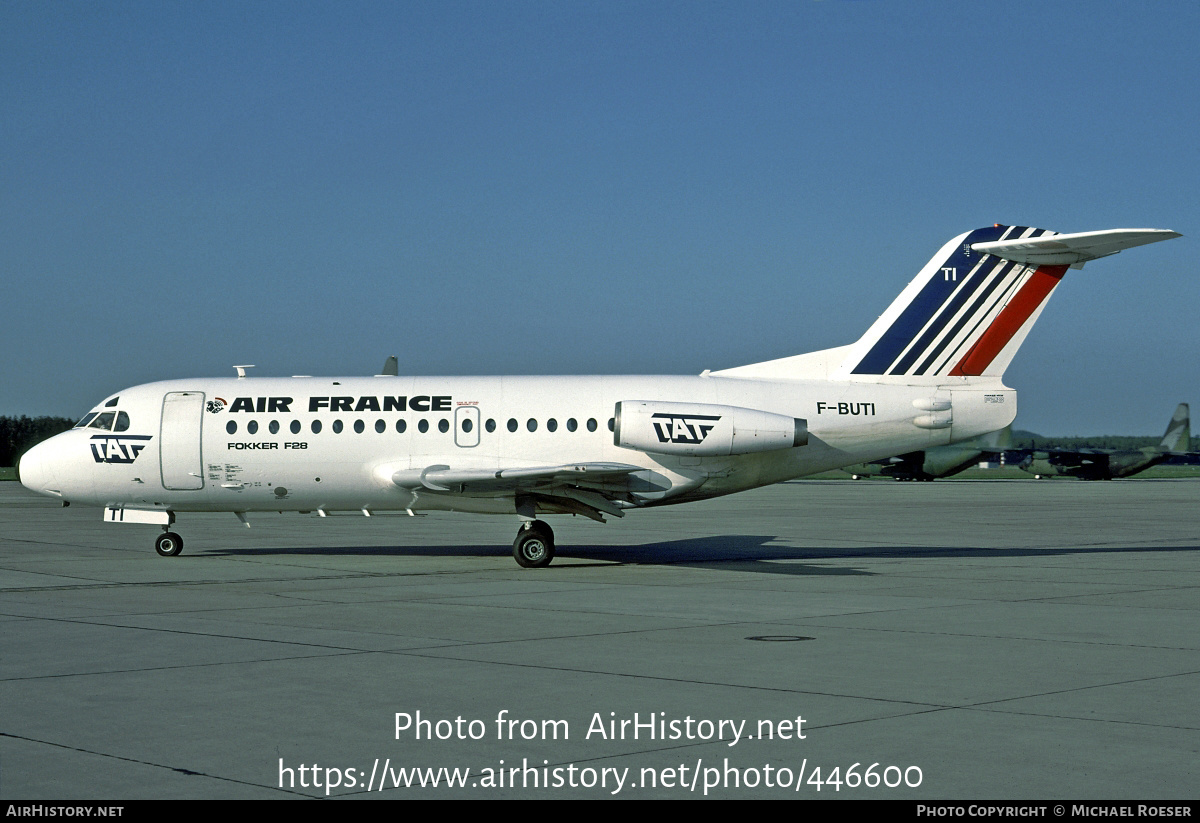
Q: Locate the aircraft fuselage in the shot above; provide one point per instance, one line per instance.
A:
(302, 444)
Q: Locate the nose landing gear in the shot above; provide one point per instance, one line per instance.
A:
(168, 544)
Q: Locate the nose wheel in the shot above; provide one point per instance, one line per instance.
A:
(534, 546)
(168, 544)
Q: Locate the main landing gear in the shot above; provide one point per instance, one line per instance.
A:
(168, 544)
(534, 546)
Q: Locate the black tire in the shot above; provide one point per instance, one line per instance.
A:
(168, 544)
(544, 528)
(534, 546)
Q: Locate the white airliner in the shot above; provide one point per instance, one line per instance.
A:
(928, 372)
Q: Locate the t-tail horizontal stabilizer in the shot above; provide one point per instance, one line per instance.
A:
(1072, 249)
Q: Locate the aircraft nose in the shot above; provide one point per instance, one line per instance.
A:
(36, 469)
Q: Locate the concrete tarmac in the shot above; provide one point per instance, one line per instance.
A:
(957, 639)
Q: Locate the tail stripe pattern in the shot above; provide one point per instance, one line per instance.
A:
(933, 341)
(984, 313)
(1005, 284)
(991, 303)
(1035, 291)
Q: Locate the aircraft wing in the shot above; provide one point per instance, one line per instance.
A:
(1072, 249)
(589, 489)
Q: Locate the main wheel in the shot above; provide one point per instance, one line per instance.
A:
(544, 528)
(534, 546)
(168, 544)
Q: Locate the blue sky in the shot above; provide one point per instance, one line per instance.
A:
(577, 187)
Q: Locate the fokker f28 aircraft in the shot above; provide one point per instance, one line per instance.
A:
(928, 372)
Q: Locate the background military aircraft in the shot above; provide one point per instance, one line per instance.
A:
(1105, 464)
(941, 461)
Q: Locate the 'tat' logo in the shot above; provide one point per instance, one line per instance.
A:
(118, 448)
(690, 429)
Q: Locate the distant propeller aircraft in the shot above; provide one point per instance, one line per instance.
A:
(1107, 464)
(939, 461)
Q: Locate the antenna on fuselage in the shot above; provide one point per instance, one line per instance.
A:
(241, 370)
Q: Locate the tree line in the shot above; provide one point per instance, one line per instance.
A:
(19, 434)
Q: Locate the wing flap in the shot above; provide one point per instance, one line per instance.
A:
(589, 489)
(441, 477)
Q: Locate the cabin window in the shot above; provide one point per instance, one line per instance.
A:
(423, 426)
(611, 423)
(380, 426)
(552, 425)
(231, 427)
(512, 424)
(252, 427)
(401, 425)
(443, 425)
(274, 427)
(490, 425)
(467, 425)
(295, 427)
(358, 427)
(572, 425)
(591, 424)
(337, 426)
(531, 424)
(316, 427)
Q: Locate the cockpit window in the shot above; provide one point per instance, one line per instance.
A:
(87, 418)
(104, 420)
(122, 422)
(111, 403)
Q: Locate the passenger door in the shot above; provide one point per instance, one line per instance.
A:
(179, 440)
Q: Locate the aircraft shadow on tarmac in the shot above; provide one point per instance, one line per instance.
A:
(753, 553)
(733, 552)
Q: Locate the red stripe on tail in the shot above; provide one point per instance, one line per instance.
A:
(1011, 318)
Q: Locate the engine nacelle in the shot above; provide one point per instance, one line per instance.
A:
(703, 429)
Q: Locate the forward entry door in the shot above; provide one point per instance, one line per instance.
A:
(179, 440)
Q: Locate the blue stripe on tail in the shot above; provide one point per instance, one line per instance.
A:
(936, 294)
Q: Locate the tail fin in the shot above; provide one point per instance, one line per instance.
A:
(970, 308)
(1179, 431)
(967, 311)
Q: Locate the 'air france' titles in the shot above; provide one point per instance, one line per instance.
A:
(283, 405)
